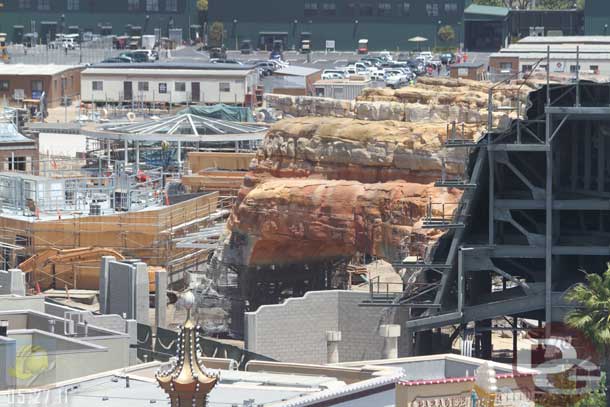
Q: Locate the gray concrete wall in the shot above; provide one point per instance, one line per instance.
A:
(295, 331)
(14, 303)
(8, 352)
(12, 282)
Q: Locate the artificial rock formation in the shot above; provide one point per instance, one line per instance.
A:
(439, 100)
(327, 188)
(306, 220)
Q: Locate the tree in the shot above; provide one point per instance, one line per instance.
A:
(520, 4)
(556, 4)
(216, 34)
(446, 33)
(202, 5)
(592, 317)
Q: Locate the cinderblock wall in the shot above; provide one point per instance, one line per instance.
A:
(295, 331)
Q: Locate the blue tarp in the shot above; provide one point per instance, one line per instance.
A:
(221, 112)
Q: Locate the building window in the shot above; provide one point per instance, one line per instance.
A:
(133, 5)
(142, 86)
(37, 86)
(403, 9)
(592, 68)
(73, 5)
(574, 68)
(451, 7)
(352, 9)
(311, 8)
(171, 5)
(329, 9)
(366, 9)
(225, 87)
(432, 9)
(526, 68)
(25, 4)
(506, 66)
(44, 5)
(4, 85)
(384, 9)
(97, 85)
(163, 87)
(152, 5)
(180, 87)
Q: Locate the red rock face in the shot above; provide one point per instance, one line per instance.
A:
(323, 189)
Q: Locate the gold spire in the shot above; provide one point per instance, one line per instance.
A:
(186, 381)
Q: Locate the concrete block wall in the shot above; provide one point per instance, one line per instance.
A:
(124, 289)
(12, 282)
(296, 330)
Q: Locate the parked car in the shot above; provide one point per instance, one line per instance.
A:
(426, 55)
(218, 53)
(225, 61)
(149, 54)
(246, 47)
(448, 58)
(117, 60)
(135, 57)
(333, 74)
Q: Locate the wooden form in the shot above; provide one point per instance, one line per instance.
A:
(204, 160)
(226, 182)
(146, 235)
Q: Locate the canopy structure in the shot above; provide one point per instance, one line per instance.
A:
(182, 127)
(418, 39)
(165, 139)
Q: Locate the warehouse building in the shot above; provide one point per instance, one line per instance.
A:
(19, 82)
(48, 17)
(593, 56)
(488, 28)
(169, 83)
(387, 24)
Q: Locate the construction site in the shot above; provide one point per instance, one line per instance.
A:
(457, 208)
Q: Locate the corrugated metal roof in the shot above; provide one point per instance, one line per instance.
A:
(574, 39)
(294, 70)
(30, 69)
(9, 134)
(486, 10)
(166, 72)
(174, 65)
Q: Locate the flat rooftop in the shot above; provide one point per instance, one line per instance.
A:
(295, 385)
(33, 70)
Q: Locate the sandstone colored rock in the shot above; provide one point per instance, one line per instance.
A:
(326, 188)
(306, 221)
(430, 99)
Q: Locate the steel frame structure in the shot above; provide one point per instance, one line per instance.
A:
(540, 192)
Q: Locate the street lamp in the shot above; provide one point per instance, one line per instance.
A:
(356, 22)
(235, 32)
(436, 33)
(294, 32)
(605, 29)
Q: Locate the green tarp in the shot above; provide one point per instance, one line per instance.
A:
(221, 112)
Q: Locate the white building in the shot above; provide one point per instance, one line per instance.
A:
(592, 52)
(169, 83)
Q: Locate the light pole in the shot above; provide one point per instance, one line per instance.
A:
(294, 32)
(64, 97)
(235, 32)
(605, 29)
(436, 33)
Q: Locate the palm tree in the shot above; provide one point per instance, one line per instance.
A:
(592, 317)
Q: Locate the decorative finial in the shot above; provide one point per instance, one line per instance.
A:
(187, 381)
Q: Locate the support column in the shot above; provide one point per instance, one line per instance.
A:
(160, 298)
(103, 286)
(126, 152)
(180, 156)
(391, 334)
(549, 223)
(137, 145)
(332, 346)
(491, 230)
